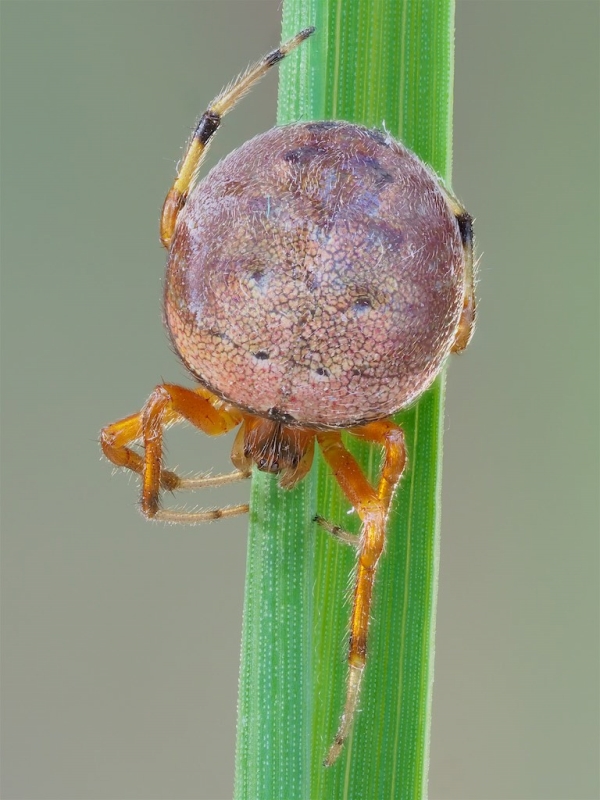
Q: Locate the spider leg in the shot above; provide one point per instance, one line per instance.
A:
(372, 505)
(205, 481)
(338, 533)
(207, 126)
(466, 324)
(166, 405)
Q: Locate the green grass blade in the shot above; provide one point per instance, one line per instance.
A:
(377, 62)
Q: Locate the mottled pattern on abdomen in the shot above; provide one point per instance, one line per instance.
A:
(316, 273)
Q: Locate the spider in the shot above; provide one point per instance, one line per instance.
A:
(317, 280)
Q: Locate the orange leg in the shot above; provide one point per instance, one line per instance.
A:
(466, 324)
(166, 405)
(372, 506)
(207, 126)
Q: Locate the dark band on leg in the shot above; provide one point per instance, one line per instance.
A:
(273, 58)
(209, 122)
(465, 226)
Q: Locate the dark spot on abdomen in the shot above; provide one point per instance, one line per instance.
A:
(323, 125)
(304, 154)
(259, 277)
(372, 168)
(363, 298)
(362, 304)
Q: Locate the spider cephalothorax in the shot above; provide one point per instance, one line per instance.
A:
(274, 447)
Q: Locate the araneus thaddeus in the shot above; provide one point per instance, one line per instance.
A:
(317, 279)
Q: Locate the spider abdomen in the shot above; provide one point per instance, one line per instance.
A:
(316, 275)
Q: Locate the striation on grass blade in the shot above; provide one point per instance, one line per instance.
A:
(386, 64)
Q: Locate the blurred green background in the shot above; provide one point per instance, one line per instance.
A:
(120, 638)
